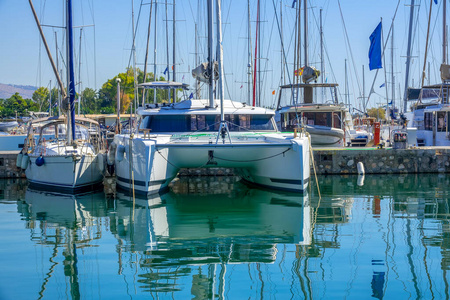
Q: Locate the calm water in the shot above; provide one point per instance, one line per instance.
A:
(214, 238)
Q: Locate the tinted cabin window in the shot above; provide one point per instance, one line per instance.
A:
(428, 121)
(337, 120)
(441, 121)
(192, 123)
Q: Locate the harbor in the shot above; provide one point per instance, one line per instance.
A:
(237, 156)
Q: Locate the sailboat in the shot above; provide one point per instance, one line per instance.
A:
(327, 123)
(202, 133)
(73, 160)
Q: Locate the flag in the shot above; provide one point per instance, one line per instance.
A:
(273, 92)
(172, 68)
(435, 1)
(375, 49)
(298, 72)
(191, 96)
(166, 70)
(241, 86)
(293, 3)
(182, 78)
(382, 85)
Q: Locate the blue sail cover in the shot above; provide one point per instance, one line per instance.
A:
(375, 49)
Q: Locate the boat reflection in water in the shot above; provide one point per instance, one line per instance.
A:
(217, 238)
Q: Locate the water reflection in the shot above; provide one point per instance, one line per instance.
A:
(216, 238)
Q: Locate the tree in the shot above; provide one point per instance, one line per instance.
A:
(376, 113)
(15, 104)
(41, 96)
(89, 103)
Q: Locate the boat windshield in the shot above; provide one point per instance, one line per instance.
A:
(327, 119)
(81, 132)
(198, 122)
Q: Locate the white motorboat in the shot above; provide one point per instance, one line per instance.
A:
(430, 116)
(189, 134)
(326, 123)
(72, 161)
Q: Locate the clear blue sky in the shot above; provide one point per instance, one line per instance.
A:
(22, 61)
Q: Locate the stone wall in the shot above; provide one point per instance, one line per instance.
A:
(8, 167)
(383, 161)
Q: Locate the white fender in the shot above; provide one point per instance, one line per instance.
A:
(111, 154)
(101, 162)
(19, 159)
(120, 152)
(25, 161)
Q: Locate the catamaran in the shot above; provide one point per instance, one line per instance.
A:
(196, 133)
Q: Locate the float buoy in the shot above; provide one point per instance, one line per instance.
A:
(39, 161)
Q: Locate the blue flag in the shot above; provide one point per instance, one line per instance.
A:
(435, 1)
(191, 96)
(166, 70)
(293, 3)
(375, 49)
(382, 85)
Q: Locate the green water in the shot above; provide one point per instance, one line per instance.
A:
(215, 238)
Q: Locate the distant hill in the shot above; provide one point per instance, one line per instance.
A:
(7, 90)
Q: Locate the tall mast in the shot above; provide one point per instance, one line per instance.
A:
(408, 55)
(210, 52)
(256, 53)
(70, 75)
(305, 25)
(146, 52)
(444, 32)
(220, 59)
(173, 50)
(197, 82)
(322, 64)
(249, 60)
(282, 43)
(392, 68)
(79, 72)
(133, 49)
(154, 55)
(167, 52)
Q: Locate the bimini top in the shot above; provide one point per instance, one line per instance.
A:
(165, 85)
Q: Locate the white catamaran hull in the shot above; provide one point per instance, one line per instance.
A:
(68, 174)
(276, 163)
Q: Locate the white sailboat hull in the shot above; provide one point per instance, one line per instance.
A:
(69, 174)
(277, 163)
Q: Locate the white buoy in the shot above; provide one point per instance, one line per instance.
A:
(360, 167)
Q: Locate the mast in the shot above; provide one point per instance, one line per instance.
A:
(444, 32)
(57, 75)
(426, 43)
(220, 60)
(134, 62)
(322, 64)
(154, 55)
(79, 72)
(146, 52)
(256, 53)
(282, 43)
(392, 68)
(346, 85)
(197, 82)
(70, 76)
(167, 53)
(249, 59)
(210, 52)
(173, 54)
(408, 55)
(305, 25)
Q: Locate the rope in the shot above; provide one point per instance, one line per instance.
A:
(318, 190)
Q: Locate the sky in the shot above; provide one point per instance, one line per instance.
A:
(106, 42)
